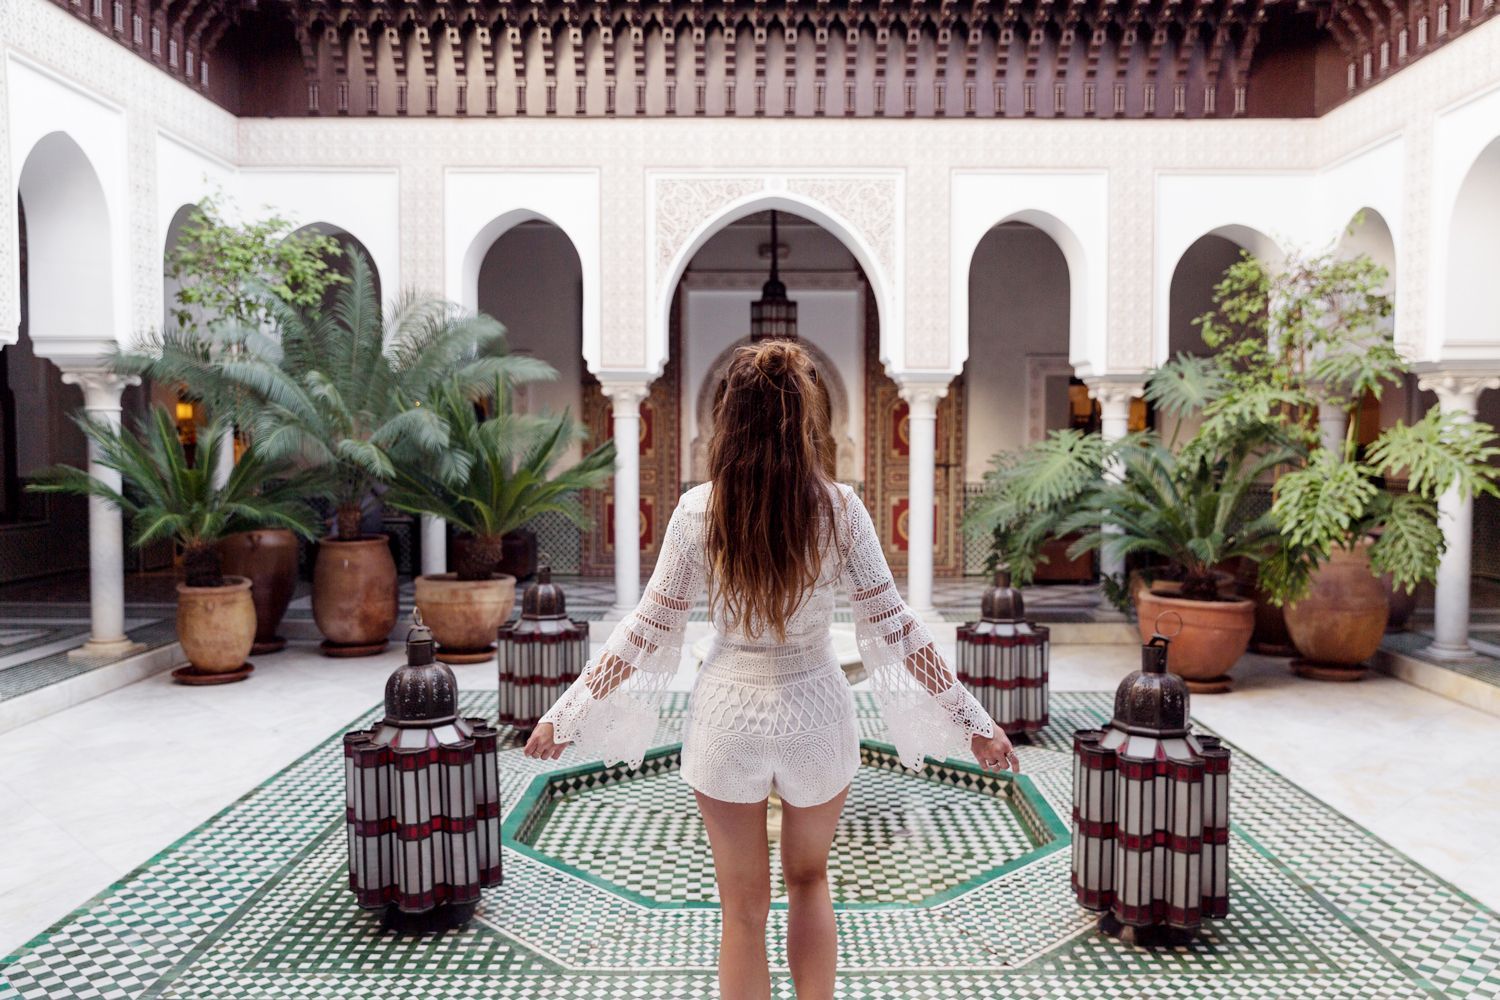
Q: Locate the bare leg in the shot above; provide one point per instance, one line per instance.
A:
(812, 946)
(742, 867)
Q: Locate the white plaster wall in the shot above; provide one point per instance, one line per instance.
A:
(364, 203)
(831, 319)
(69, 317)
(1018, 287)
(1070, 207)
(480, 205)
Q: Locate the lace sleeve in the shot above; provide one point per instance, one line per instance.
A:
(926, 710)
(610, 712)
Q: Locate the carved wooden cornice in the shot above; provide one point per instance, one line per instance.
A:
(1066, 58)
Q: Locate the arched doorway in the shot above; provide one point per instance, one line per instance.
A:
(1019, 382)
(531, 280)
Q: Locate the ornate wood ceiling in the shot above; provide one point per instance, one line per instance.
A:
(1045, 58)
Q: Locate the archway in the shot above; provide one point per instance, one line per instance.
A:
(883, 302)
(349, 244)
(70, 270)
(1474, 254)
(1023, 316)
(529, 277)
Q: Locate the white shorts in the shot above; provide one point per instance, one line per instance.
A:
(770, 716)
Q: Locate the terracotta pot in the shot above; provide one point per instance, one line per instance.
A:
(268, 558)
(1213, 637)
(465, 614)
(1339, 624)
(216, 625)
(1402, 604)
(354, 595)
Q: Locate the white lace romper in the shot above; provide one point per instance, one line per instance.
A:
(765, 713)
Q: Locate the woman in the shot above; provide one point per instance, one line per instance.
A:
(774, 538)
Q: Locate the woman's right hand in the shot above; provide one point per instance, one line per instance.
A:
(542, 745)
(994, 753)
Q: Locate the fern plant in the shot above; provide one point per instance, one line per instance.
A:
(165, 495)
(497, 473)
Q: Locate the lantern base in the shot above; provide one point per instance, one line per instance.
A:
(466, 655)
(447, 917)
(1150, 936)
(275, 645)
(193, 677)
(339, 649)
(1210, 685)
(1328, 671)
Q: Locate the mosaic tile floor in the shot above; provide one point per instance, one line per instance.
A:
(34, 649)
(253, 906)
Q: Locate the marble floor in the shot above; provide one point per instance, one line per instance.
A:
(93, 791)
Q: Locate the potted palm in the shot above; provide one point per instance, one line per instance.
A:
(226, 274)
(1294, 342)
(495, 476)
(1181, 504)
(343, 391)
(164, 495)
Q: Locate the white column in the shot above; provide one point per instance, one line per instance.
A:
(434, 545)
(101, 400)
(921, 444)
(1456, 394)
(1114, 423)
(625, 399)
(1333, 426)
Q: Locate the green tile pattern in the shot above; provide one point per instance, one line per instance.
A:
(252, 906)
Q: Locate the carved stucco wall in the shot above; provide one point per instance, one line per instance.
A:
(820, 155)
(152, 101)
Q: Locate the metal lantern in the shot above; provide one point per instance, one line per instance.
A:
(540, 654)
(773, 316)
(1151, 812)
(423, 799)
(1002, 658)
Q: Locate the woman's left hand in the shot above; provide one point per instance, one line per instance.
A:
(995, 753)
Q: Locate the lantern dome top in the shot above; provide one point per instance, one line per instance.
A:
(422, 691)
(1152, 701)
(1001, 602)
(544, 599)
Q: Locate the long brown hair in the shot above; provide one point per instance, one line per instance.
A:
(771, 510)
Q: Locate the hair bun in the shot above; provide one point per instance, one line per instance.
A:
(773, 359)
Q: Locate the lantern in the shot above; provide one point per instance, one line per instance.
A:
(540, 654)
(1002, 659)
(1151, 812)
(422, 799)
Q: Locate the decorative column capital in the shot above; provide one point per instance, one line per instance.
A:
(922, 395)
(101, 387)
(626, 395)
(1114, 392)
(1458, 391)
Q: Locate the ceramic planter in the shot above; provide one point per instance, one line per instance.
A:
(216, 626)
(1338, 625)
(465, 614)
(1213, 636)
(268, 558)
(354, 595)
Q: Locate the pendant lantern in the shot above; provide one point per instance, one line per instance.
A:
(423, 799)
(1151, 812)
(773, 316)
(1002, 659)
(540, 654)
